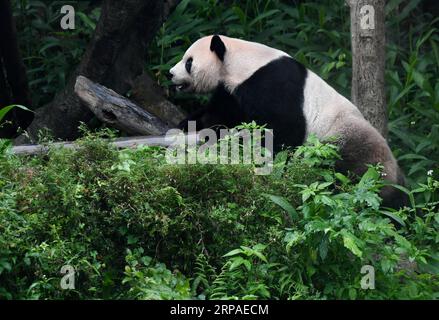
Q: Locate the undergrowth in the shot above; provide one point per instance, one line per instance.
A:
(134, 227)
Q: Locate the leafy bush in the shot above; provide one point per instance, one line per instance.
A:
(221, 231)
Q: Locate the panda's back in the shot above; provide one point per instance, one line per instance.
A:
(295, 102)
(325, 109)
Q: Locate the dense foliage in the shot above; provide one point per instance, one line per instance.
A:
(135, 227)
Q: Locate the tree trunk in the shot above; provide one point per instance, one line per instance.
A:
(368, 61)
(5, 93)
(114, 58)
(13, 79)
(150, 96)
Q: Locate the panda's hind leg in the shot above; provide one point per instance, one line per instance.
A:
(369, 147)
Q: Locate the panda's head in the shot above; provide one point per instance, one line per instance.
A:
(202, 67)
(215, 60)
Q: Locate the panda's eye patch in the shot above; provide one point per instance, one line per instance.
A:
(189, 65)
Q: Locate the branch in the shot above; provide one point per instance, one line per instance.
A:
(120, 143)
(116, 110)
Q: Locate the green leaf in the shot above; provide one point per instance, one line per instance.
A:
(263, 16)
(5, 265)
(323, 248)
(238, 261)
(233, 253)
(342, 178)
(352, 293)
(5, 110)
(87, 21)
(260, 256)
(371, 174)
(393, 217)
(284, 204)
(349, 242)
(406, 191)
(132, 239)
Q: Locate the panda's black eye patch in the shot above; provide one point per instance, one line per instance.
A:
(189, 65)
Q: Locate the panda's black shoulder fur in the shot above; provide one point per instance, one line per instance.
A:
(273, 95)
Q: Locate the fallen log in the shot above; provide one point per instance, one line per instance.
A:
(120, 143)
(118, 111)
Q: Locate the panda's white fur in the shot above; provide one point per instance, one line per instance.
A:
(322, 105)
(330, 114)
(326, 112)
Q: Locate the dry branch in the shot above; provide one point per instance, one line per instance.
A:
(120, 143)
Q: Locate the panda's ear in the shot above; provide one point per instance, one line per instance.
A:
(217, 46)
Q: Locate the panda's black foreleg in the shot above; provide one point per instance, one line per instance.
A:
(196, 116)
(222, 111)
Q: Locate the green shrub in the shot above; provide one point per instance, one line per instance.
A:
(135, 227)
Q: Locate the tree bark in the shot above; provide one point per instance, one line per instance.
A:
(114, 58)
(13, 79)
(5, 93)
(368, 60)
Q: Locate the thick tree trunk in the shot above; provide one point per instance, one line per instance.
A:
(368, 60)
(114, 58)
(150, 96)
(5, 93)
(13, 79)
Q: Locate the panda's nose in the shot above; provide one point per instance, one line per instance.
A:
(170, 75)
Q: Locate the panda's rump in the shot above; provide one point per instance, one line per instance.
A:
(360, 144)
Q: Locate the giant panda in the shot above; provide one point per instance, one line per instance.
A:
(253, 82)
